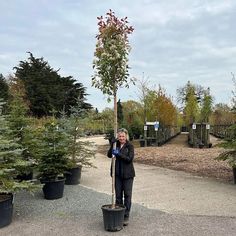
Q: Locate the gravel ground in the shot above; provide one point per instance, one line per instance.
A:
(79, 213)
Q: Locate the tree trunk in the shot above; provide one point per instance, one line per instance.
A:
(114, 147)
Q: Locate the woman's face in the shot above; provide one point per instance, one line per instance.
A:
(122, 137)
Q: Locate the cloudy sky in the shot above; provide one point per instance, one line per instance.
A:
(174, 41)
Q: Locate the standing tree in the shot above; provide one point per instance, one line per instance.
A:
(190, 95)
(143, 90)
(111, 62)
(46, 90)
(4, 89)
(206, 108)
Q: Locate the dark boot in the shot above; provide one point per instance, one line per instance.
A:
(126, 221)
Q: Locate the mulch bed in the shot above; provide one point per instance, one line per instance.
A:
(200, 162)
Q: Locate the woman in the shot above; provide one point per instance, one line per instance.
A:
(124, 170)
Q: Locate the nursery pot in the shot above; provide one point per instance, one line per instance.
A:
(234, 174)
(73, 176)
(113, 218)
(6, 209)
(53, 189)
(201, 145)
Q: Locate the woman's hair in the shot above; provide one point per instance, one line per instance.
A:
(123, 130)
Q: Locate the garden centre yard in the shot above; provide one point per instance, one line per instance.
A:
(177, 155)
(165, 202)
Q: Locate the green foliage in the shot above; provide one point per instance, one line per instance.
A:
(206, 108)
(53, 149)
(4, 88)
(133, 120)
(222, 115)
(46, 90)
(230, 154)
(11, 160)
(111, 54)
(191, 109)
(160, 107)
(197, 103)
(120, 116)
(79, 152)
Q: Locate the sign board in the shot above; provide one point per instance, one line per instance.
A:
(150, 123)
(145, 127)
(207, 126)
(194, 126)
(156, 125)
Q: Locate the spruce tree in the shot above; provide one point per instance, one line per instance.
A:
(11, 159)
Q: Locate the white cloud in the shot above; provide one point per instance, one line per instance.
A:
(173, 41)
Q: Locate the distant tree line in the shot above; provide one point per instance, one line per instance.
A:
(45, 91)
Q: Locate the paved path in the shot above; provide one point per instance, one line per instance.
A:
(167, 190)
(166, 203)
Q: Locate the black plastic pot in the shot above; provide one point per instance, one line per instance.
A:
(142, 142)
(113, 218)
(6, 209)
(73, 176)
(234, 174)
(53, 189)
(201, 145)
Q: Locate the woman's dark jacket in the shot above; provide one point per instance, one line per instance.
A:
(124, 167)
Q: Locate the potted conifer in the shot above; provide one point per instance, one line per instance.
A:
(11, 160)
(19, 122)
(80, 152)
(52, 163)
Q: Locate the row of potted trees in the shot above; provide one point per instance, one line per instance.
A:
(52, 151)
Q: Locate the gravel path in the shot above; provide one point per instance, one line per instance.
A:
(79, 211)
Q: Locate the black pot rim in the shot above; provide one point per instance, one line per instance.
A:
(75, 167)
(107, 207)
(10, 196)
(58, 179)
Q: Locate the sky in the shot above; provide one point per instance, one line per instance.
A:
(174, 41)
